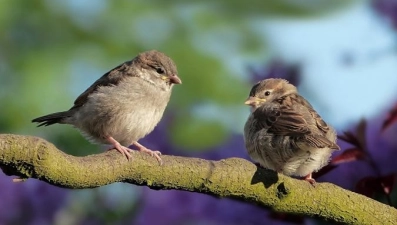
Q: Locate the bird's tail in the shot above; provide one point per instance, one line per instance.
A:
(51, 118)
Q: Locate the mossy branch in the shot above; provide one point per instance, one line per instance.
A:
(33, 157)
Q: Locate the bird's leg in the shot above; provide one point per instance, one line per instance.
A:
(122, 149)
(309, 179)
(155, 154)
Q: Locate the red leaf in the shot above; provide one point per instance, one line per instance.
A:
(360, 134)
(349, 155)
(359, 139)
(390, 119)
(350, 138)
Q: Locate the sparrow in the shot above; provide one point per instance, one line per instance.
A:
(124, 105)
(284, 133)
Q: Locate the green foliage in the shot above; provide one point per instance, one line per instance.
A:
(197, 134)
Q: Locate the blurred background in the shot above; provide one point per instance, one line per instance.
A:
(341, 55)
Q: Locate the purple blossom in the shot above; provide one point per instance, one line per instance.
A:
(29, 202)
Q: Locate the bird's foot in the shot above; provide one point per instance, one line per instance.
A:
(309, 179)
(122, 149)
(155, 154)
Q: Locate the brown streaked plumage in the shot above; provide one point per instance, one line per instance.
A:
(284, 133)
(123, 105)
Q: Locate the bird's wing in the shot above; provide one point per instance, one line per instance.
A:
(320, 123)
(319, 141)
(284, 120)
(281, 120)
(320, 138)
(113, 77)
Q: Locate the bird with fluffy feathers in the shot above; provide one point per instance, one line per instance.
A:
(284, 133)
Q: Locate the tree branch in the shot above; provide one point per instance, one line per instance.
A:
(33, 157)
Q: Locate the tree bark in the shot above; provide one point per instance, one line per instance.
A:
(33, 157)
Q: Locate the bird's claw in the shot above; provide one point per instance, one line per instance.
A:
(122, 149)
(309, 179)
(155, 154)
(127, 151)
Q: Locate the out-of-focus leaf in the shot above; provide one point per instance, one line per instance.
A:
(368, 186)
(350, 138)
(348, 155)
(203, 78)
(390, 119)
(359, 139)
(361, 131)
(195, 134)
(285, 8)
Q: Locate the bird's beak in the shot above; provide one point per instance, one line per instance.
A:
(253, 101)
(174, 79)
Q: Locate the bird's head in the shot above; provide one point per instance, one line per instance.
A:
(160, 69)
(267, 91)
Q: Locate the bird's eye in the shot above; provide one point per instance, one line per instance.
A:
(160, 70)
(267, 93)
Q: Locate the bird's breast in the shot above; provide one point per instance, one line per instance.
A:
(127, 112)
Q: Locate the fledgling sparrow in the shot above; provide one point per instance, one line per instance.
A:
(123, 105)
(284, 133)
